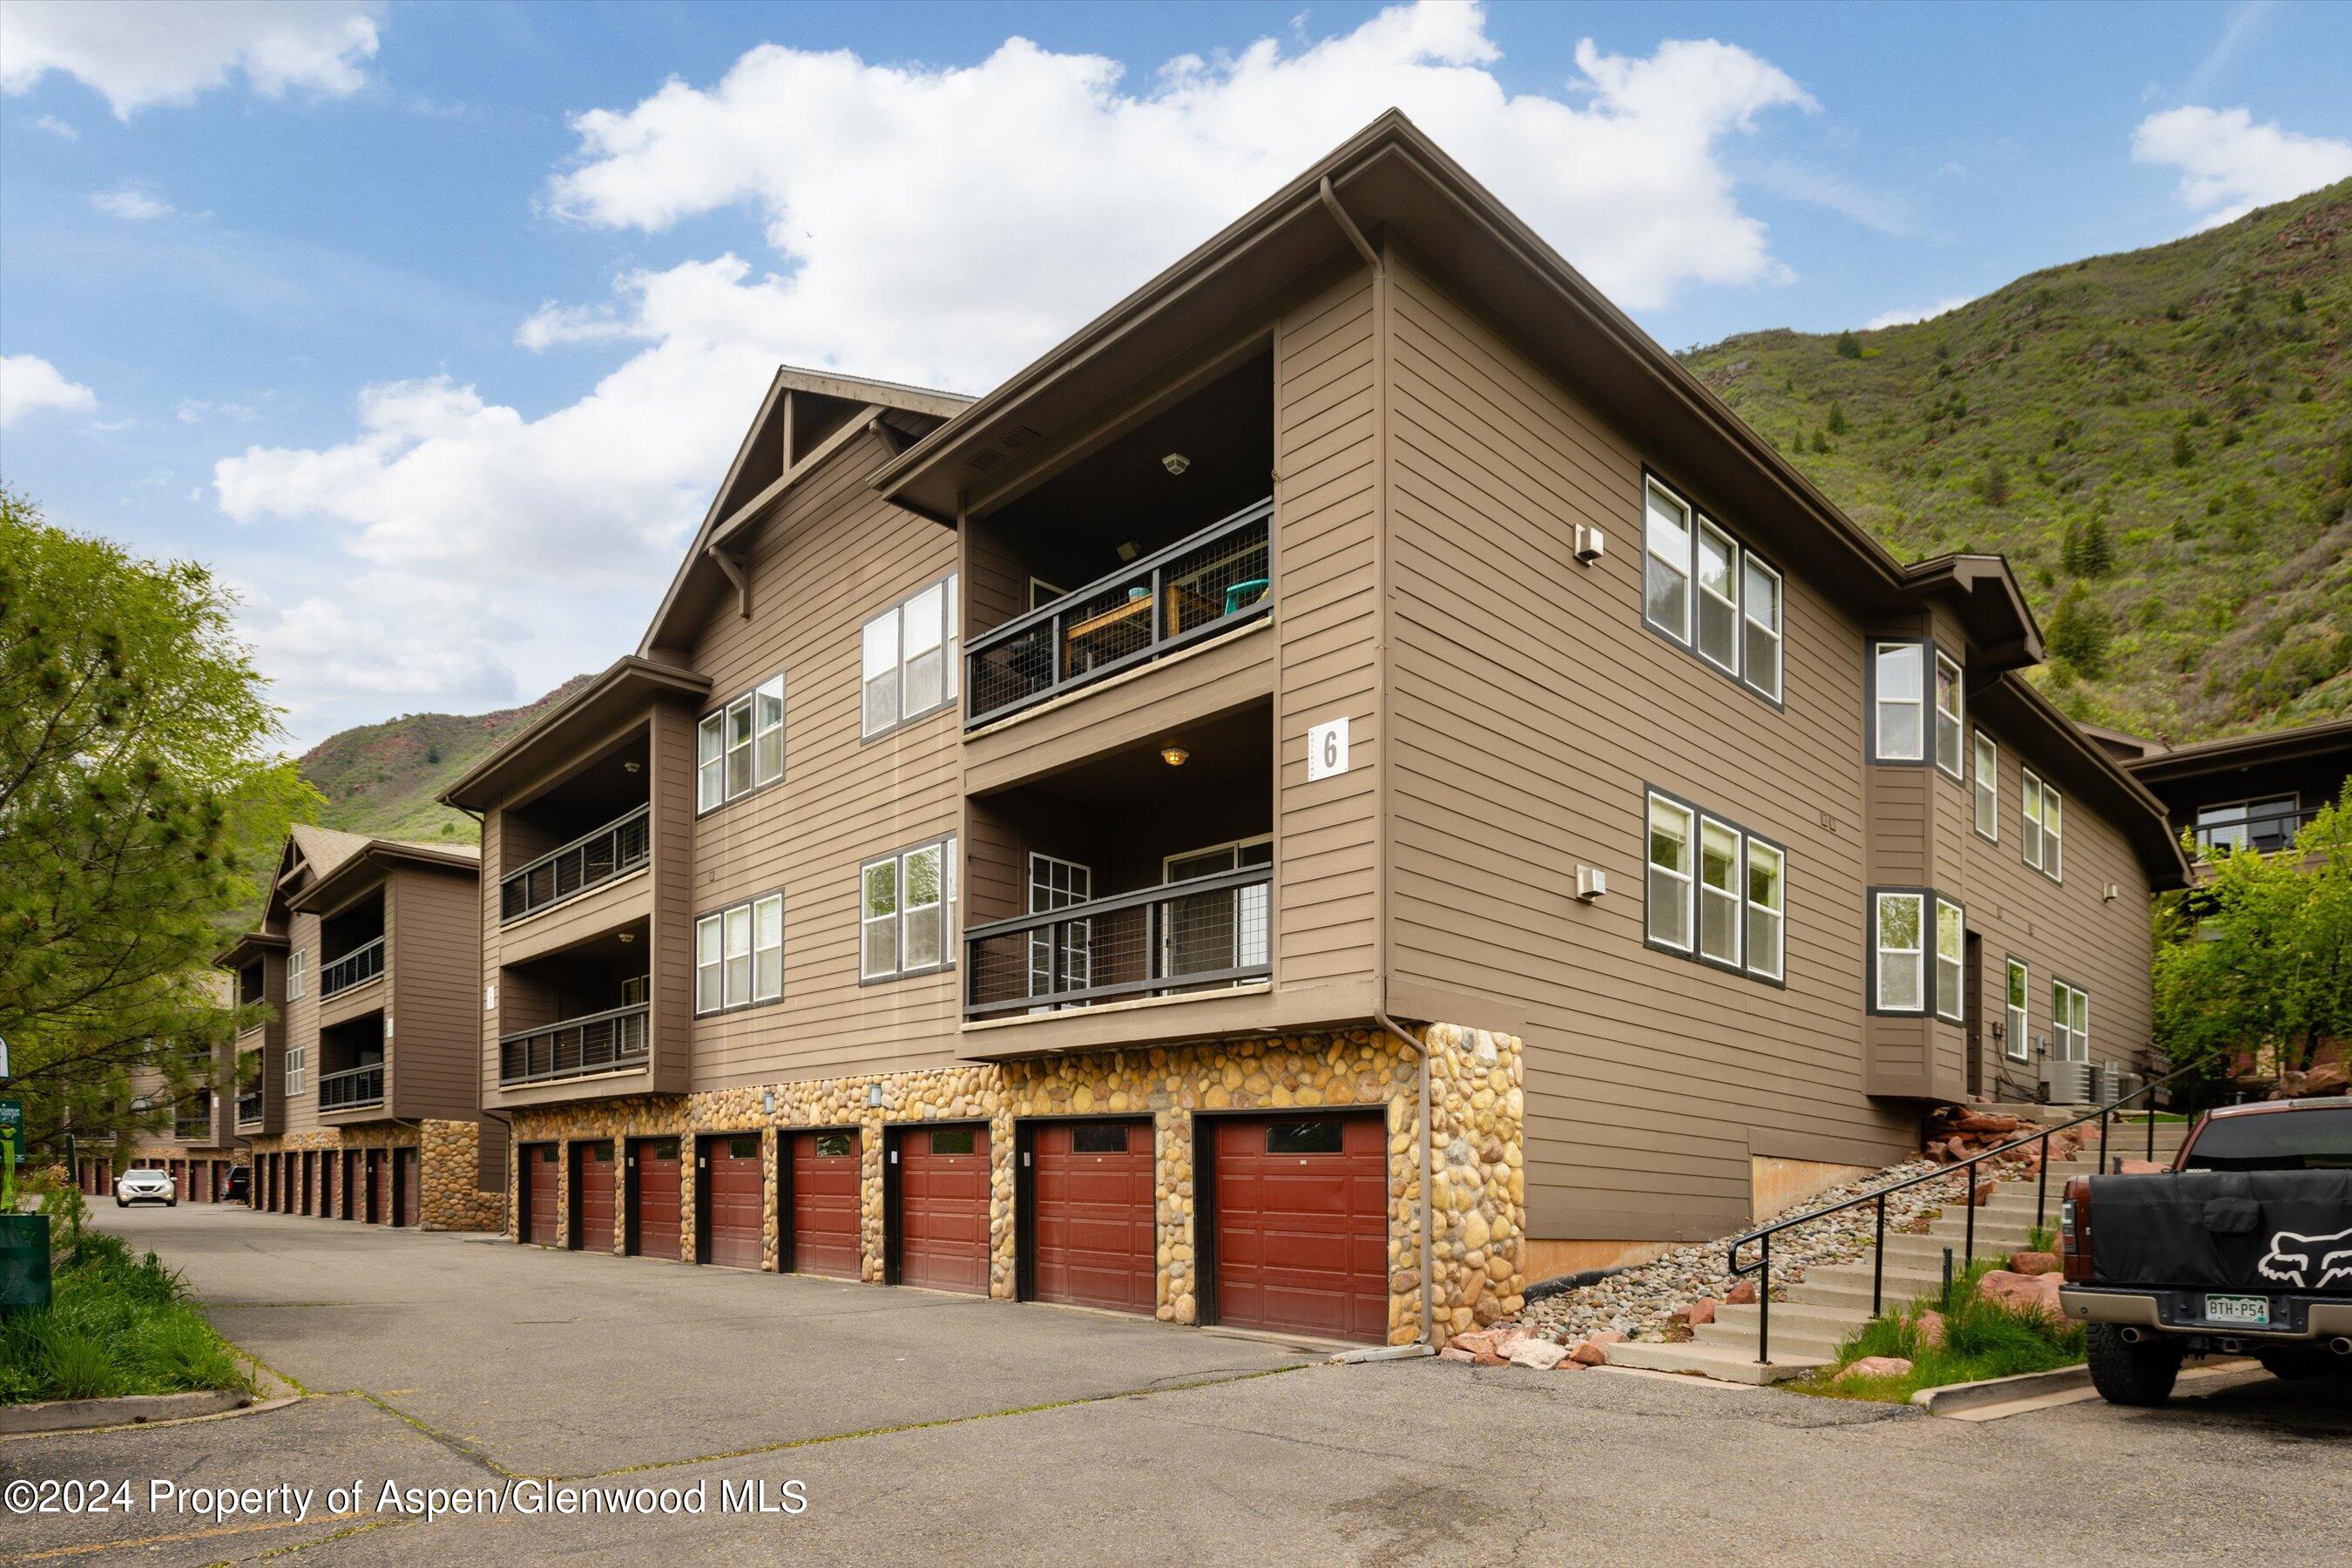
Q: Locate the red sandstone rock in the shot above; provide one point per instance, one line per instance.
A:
(2034, 1263)
(1742, 1294)
(1876, 1367)
(2022, 1292)
(1702, 1310)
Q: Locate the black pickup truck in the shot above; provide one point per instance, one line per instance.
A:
(2243, 1248)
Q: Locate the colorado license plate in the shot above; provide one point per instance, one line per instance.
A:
(2253, 1311)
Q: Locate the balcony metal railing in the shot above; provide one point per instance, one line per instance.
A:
(599, 1042)
(2263, 828)
(592, 858)
(355, 1086)
(250, 1107)
(194, 1128)
(362, 964)
(1180, 936)
(1195, 588)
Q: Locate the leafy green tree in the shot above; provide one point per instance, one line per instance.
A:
(142, 796)
(1848, 345)
(2253, 967)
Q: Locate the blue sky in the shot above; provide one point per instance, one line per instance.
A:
(431, 326)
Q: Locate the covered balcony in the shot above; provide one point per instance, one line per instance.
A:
(252, 1100)
(351, 946)
(591, 829)
(583, 1012)
(192, 1117)
(1144, 872)
(1158, 540)
(351, 1064)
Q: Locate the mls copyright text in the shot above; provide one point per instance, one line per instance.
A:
(521, 1498)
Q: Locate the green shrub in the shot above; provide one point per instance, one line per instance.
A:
(116, 1324)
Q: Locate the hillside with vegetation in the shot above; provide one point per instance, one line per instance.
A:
(381, 779)
(2160, 442)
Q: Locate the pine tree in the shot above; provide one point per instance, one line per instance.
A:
(1837, 419)
(1848, 345)
(2079, 632)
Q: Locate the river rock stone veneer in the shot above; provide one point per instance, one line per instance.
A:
(448, 1161)
(1477, 1187)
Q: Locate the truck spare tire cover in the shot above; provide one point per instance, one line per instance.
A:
(2191, 1229)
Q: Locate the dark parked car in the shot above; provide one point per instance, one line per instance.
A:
(240, 1185)
(2244, 1247)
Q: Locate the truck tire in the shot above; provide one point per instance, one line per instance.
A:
(2127, 1374)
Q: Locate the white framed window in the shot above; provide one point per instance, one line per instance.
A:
(2029, 817)
(1951, 968)
(2054, 834)
(907, 911)
(1899, 922)
(1718, 893)
(297, 975)
(1761, 603)
(1719, 599)
(1768, 908)
(1898, 696)
(1988, 788)
(298, 1067)
(1950, 700)
(1667, 562)
(2070, 1023)
(2019, 1045)
(1059, 884)
(908, 655)
(1667, 892)
(738, 955)
(739, 747)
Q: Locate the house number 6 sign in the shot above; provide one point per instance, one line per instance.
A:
(1327, 750)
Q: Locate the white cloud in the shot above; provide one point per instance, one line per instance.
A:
(1925, 313)
(136, 53)
(56, 127)
(2230, 165)
(129, 202)
(196, 410)
(28, 382)
(941, 227)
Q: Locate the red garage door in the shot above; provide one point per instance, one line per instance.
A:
(731, 1187)
(376, 1196)
(179, 1173)
(1301, 1218)
(408, 1188)
(1093, 1239)
(828, 1187)
(655, 1209)
(539, 1174)
(942, 1183)
(200, 1181)
(591, 1197)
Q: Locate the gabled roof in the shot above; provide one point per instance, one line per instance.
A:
(321, 848)
(624, 686)
(760, 473)
(1390, 182)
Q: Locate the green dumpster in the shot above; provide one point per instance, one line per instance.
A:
(24, 1262)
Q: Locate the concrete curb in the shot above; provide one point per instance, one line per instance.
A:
(1953, 1397)
(1383, 1352)
(136, 1409)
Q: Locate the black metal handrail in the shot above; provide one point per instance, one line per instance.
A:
(2266, 832)
(1127, 945)
(354, 1086)
(357, 967)
(590, 860)
(595, 1042)
(1140, 612)
(1763, 1236)
(250, 1107)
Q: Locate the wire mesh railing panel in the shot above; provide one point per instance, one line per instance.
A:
(1204, 932)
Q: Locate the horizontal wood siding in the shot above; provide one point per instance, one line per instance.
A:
(669, 967)
(433, 923)
(1327, 615)
(1531, 707)
(301, 1111)
(831, 556)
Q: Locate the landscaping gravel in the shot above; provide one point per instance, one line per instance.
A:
(1636, 1302)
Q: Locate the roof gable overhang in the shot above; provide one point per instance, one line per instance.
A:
(250, 945)
(378, 861)
(769, 459)
(2269, 748)
(628, 686)
(2087, 770)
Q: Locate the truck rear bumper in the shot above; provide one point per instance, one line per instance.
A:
(2169, 1312)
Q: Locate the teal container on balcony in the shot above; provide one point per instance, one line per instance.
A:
(24, 1262)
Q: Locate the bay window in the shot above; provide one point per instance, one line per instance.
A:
(1988, 788)
(1718, 893)
(1668, 889)
(1719, 599)
(739, 746)
(1761, 653)
(1767, 911)
(1951, 971)
(1897, 725)
(1712, 891)
(1665, 569)
(1951, 698)
(1898, 921)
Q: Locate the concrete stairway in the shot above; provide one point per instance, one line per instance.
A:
(1813, 1317)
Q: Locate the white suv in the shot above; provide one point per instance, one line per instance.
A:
(146, 1185)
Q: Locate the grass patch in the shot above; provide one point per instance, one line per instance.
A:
(1982, 1340)
(116, 1324)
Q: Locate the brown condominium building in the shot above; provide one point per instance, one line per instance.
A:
(358, 1092)
(2243, 792)
(190, 1128)
(1351, 784)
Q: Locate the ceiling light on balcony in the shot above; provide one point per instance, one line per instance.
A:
(1174, 756)
(630, 767)
(627, 937)
(1176, 463)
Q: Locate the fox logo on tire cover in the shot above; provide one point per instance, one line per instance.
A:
(2291, 1256)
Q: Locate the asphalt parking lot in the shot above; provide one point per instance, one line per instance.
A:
(921, 1428)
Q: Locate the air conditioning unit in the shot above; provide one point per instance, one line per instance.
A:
(2065, 1083)
(1591, 881)
(1589, 542)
